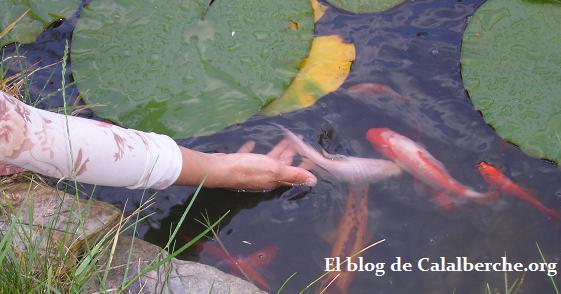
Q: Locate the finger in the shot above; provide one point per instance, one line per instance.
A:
(287, 155)
(290, 175)
(306, 164)
(278, 149)
(247, 147)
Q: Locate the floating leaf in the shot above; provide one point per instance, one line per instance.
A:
(184, 68)
(511, 67)
(41, 14)
(363, 6)
(319, 9)
(325, 69)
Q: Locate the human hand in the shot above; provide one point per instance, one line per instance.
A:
(244, 170)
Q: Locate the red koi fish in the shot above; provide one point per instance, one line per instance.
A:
(416, 160)
(351, 238)
(497, 179)
(374, 88)
(246, 266)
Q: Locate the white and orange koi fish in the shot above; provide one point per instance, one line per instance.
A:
(417, 161)
(348, 169)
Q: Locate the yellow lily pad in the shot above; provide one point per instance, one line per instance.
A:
(324, 71)
(319, 9)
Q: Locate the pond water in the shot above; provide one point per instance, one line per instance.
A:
(414, 48)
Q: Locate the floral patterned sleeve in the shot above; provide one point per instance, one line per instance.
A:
(86, 150)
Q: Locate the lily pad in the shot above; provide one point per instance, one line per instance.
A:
(364, 6)
(184, 68)
(324, 71)
(511, 68)
(41, 14)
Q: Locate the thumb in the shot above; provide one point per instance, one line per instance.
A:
(290, 175)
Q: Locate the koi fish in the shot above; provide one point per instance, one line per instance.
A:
(416, 160)
(374, 88)
(497, 179)
(246, 266)
(353, 170)
(351, 234)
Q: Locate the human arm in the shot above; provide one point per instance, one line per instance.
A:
(244, 171)
(100, 153)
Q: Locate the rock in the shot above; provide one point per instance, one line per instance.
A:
(68, 219)
(177, 276)
(77, 222)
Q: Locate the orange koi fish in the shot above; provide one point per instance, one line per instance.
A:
(374, 88)
(351, 238)
(246, 266)
(497, 179)
(416, 160)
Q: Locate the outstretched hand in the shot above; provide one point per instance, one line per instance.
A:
(244, 170)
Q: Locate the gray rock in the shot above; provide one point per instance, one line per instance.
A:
(55, 217)
(177, 276)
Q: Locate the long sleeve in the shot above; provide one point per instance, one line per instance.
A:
(86, 150)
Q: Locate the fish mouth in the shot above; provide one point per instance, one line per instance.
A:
(482, 166)
(374, 135)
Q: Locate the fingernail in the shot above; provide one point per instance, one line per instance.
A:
(311, 182)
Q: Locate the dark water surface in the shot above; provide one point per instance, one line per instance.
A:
(415, 49)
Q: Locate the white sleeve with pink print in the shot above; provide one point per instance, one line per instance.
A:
(89, 151)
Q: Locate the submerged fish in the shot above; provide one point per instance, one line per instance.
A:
(497, 179)
(348, 169)
(247, 266)
(351, 238)
(375, 88)
(416, 160)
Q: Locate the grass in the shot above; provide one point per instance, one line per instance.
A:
(32, 268)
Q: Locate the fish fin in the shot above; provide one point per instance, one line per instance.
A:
(484, 198)
(443, 200)
(491, 196)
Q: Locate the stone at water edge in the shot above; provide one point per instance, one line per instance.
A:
(177, 276)
(17, 201)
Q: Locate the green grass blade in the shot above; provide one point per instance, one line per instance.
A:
(551, 278)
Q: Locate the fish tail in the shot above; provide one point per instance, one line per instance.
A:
(443, 200)
(482, 198)
(552, 213)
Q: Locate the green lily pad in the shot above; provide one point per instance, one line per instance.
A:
(183, 68)
(41, 14)
(364, 6)
(511, 66)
